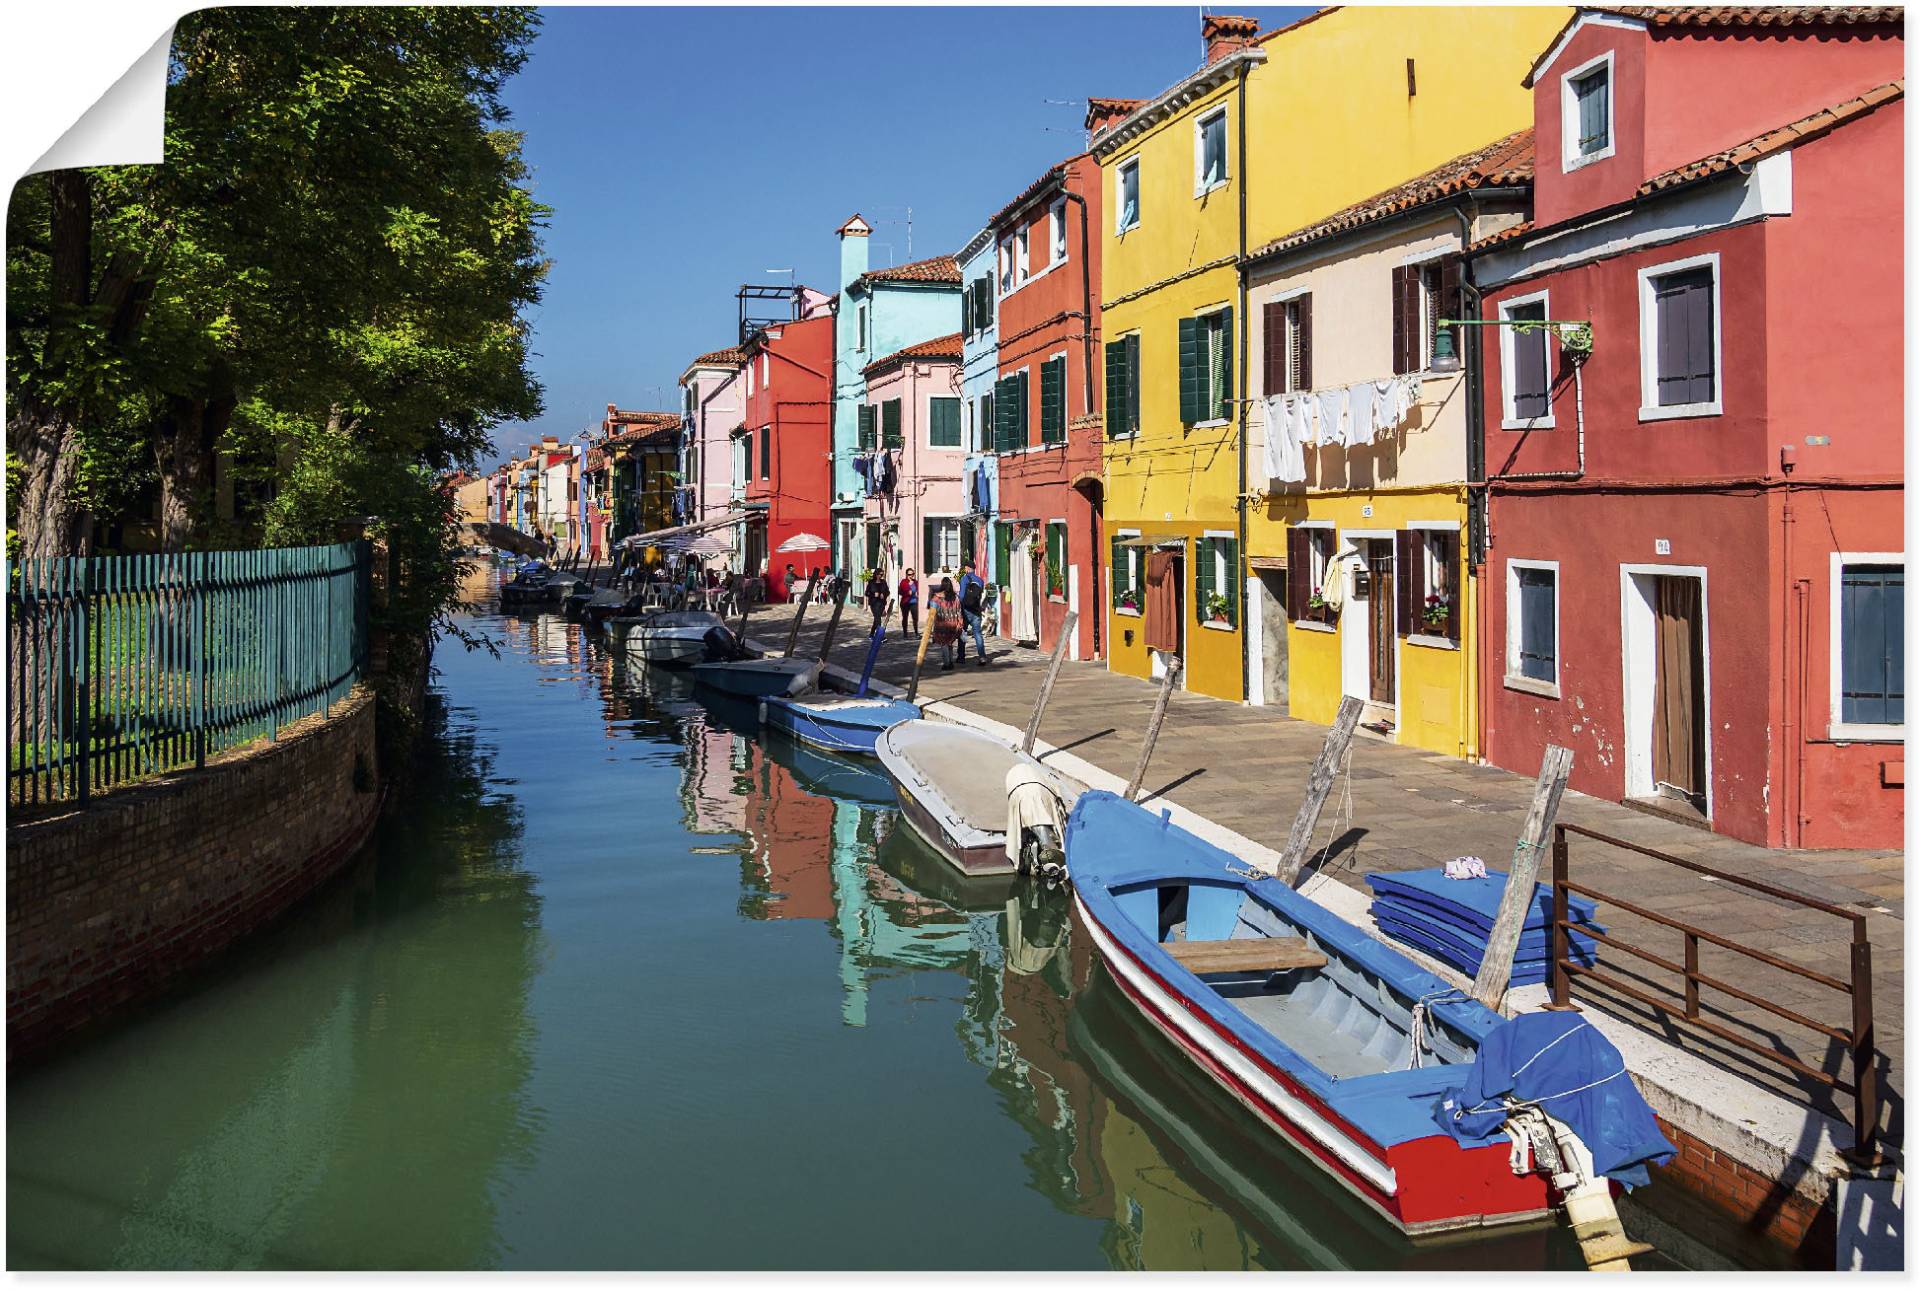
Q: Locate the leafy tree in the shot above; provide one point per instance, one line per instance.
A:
(326, 279)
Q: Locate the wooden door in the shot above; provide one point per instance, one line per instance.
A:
(1380, 634)
(1163, 603)
(1679, 700)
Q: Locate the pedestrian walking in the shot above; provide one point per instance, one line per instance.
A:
(973, 599)
(877, 596)
(841, 584)
(909, 604)
(945, 608)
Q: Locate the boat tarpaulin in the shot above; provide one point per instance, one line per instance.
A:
(1559, 1063)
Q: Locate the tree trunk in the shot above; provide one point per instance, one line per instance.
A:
(183, 454)
(45, 516)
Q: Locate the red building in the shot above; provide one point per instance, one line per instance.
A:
(786, 439)
(1692, 550)
(1046, 420)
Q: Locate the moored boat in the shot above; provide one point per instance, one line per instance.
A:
(1306, 1020)
(673, 637)
(840, 723)
(952, 785)
(759, 678)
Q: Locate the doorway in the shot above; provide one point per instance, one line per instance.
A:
(1166, 617)
(1664, 635)
(1378, 567)
(1368, 644)
(1270, 613)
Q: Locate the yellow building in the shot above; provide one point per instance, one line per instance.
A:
(1272, 133)
(1358, 441)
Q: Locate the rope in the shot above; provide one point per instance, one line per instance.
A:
(1417, 1026)
(1344, 815)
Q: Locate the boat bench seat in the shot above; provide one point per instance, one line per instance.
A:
(1245, 954)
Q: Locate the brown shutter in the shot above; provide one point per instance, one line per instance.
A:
(1273, 347)
(1401, 328)
(1455, 586)
(1409, 592)
(1305, 304)
(1299, 566)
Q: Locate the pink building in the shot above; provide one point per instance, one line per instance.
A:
(912, 456)
(712, 404)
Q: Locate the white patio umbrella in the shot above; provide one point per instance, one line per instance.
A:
(804, 542)
(709, 544)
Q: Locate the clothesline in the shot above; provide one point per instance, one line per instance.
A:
(1340, 416)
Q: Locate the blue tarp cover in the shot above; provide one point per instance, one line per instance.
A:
(1529, 964)
(1575, 1075)
(1474, 900)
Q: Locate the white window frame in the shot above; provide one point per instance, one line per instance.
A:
(1650, 410)
(1509, 419)
(1057, 232)
(927, 412)
(1225, 581)
(942, 524)
(1318, 563)
(1514, 678)
(749, 378)
(1200, 123)
(766, 370)
(1003, 281)
(1570, 158)
(1133, 561)
(860, 327)
(1859, 732)
(1130, 166)
(1022, 240)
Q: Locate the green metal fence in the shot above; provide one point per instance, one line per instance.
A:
(120, 667)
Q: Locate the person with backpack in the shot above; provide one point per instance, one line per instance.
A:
(973, 599)
(909, 604)
(945, 608)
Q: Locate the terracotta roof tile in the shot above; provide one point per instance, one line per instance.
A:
(1099, 110)
(1756, 15)
(939, 269)
(940, 347)
(727, 358)
(1776, 140)
(1052, 174)
(1504, 163)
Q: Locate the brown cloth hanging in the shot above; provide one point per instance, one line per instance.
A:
(1163, 616)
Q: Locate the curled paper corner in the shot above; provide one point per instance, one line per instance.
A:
(126, 126)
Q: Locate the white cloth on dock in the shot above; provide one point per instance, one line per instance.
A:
(1031, 800)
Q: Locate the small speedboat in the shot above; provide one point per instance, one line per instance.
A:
(759, 678)
(952, 785)
(1378, 1071)
(527, 587)
(673, 637)
(840, 723)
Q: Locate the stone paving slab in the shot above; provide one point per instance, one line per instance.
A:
(1401, 808)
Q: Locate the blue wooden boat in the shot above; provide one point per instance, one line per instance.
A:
(1337, 1043)
(839, 723)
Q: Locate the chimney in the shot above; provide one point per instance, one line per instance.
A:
(1102, 113)
(853, 249)
(1226, 33)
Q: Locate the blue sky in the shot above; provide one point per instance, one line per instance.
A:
(686, 151)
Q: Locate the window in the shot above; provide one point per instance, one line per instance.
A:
(1287, 344)
(941, 537)
(1057, 232)
(1526, 395)
(890, 434)
(1206, 367)
(983, 427)
(1533, 626)
(943, 423)
(749, 378)
(766, 370)
(1216, 577)
(983, 304)
(860, 326)
(1123, 386)
(865, 413)
(1053, 400)
(1006, 267)
(1428, 586)
(1129, 574)
(1002, 551)
(1128, 203)
(1057, 559)
(1309, 552)
(1020, 253)
(1010, 413)
(1869, 639)
(766, 452)
(1586, 113)
(1423, 293)
(1209, 152)
(1680, 339)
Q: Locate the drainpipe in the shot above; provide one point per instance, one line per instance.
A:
(1086, 402)
(1240, 498)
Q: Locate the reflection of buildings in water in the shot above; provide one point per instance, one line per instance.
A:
(787, 867)
(717, 761)
(1159, 1221)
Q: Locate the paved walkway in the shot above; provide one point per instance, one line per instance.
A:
(1402, 808)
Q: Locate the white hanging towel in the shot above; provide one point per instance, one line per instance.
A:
(1284, 460)
(1409, 397)
(1332, 409)
(1386, 406)
(1306, 426)
(1360, 426)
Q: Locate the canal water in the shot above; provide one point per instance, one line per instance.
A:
(622, 985)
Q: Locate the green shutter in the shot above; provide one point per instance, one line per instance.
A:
(866, 427)
(1006, 394)
(873, 545)
(890, 425)
(1002, 551)
(1115, 571)
(943, 423)
(1202, 576)
(1025, 401)
(1053, 401)
(1116, 385)
(1230, 549)
(1192, 371)
(1132, 397)
(1229, 394)
(927, 548)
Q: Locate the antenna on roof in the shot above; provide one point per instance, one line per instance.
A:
(908, 222)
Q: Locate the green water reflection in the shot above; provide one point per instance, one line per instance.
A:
(625, 986)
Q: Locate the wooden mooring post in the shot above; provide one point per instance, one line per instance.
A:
(1293, 858)
(920, 656)
(1046, 686)
(1522, 874)
(833, 629)
(793, 633)
(1168, 681)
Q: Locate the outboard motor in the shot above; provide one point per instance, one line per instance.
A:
(1036, 824)
(722, 646)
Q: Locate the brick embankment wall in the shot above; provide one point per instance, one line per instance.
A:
(105, 906)
(1769, 1208)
